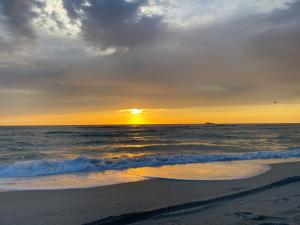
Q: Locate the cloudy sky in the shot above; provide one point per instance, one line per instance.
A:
(87, 61)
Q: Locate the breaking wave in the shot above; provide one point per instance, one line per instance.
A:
(85, 164)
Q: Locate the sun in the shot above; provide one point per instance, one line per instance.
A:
(135, 115)
(136, 111)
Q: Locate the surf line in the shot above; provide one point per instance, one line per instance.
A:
(134, 217)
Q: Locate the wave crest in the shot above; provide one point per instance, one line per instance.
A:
(85, 164)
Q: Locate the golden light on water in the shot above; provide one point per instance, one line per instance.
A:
(205, 171)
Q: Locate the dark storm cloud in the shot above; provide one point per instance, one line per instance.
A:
(18, 16)
(114, 23)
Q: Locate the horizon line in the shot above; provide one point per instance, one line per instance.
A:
(153, 124)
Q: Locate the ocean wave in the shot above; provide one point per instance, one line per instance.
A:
(85, 164)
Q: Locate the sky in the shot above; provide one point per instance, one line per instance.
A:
(179, 61)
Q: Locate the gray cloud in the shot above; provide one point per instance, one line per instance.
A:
(278, 46)
(115, 23)
(18, 16)
(244, 61)
(73, 8)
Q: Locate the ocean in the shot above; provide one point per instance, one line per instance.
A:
(37, 153)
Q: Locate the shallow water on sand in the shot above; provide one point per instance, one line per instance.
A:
(189, 172)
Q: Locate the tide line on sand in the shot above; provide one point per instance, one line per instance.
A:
(141, 216)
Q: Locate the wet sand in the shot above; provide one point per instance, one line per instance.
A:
(187, 202)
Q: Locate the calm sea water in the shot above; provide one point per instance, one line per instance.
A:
(48, 150)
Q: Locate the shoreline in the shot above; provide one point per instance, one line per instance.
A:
(84, 172)
(80, 206)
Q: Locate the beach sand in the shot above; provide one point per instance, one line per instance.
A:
(278, 206)
(164, 202)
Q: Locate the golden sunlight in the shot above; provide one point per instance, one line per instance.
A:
(280, 113)
(136, 116)
(136, 111)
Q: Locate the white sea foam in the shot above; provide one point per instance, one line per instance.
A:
(85, 164)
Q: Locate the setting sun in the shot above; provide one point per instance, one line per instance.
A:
(136, 111)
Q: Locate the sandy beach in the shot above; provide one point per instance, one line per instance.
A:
(149, 112)
(277, 206)
(273, 199)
